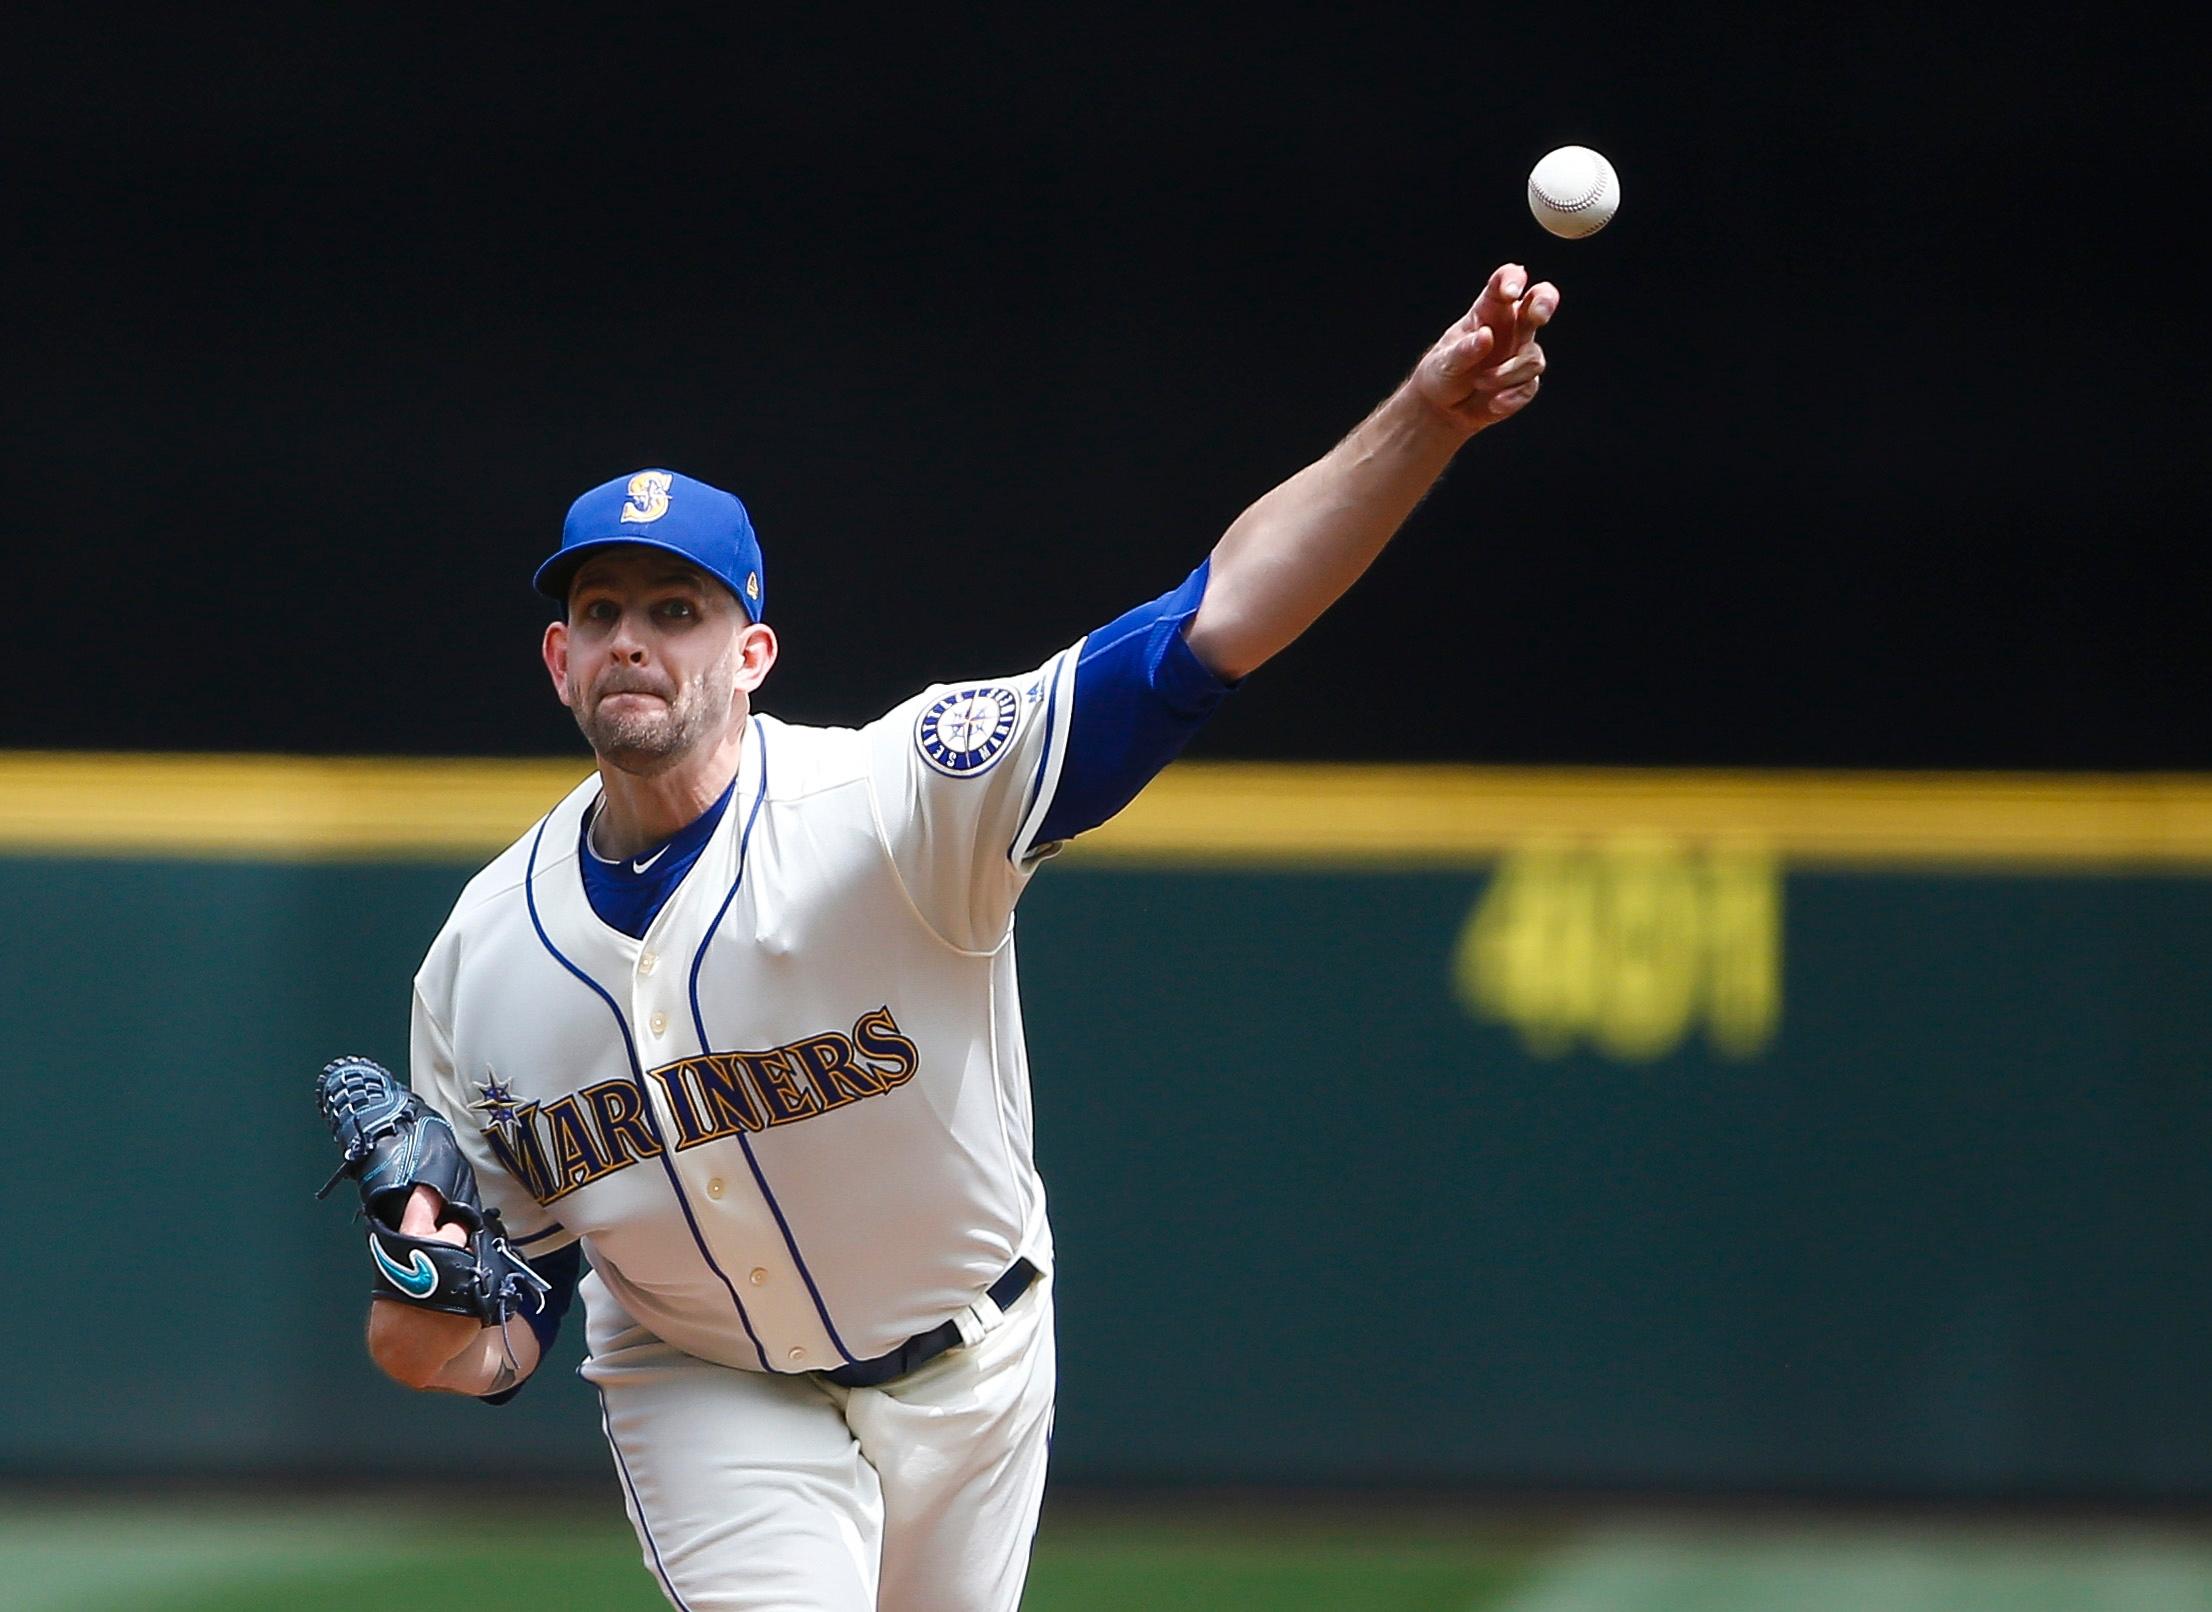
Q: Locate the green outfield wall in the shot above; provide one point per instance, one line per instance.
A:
(1441, 1128)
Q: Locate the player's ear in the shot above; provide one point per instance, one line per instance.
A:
(555, 649)
(756, 652)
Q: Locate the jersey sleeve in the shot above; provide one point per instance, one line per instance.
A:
(976, 783)
(432, 1075)
(1140, 693)
(958, 773)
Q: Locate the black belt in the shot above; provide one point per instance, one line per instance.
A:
(919, 1350)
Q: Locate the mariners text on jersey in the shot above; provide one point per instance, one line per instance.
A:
(784, 1104)
(574, 1140)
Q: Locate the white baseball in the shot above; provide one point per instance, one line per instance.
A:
(1574, 191)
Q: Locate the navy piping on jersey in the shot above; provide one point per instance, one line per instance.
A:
(538, 1236)
(637, 1506)
(637, 1073)
(1044, 755)
(699, 1024)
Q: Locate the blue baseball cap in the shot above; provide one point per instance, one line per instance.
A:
(660, 509)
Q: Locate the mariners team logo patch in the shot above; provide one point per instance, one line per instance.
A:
(963, 733)
(648, 495)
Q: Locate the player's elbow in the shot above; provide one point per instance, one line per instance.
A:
(414, 1346)
(1230, 649)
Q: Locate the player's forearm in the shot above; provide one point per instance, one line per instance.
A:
(499, 1358)
(426, 1349)
(1292, 554)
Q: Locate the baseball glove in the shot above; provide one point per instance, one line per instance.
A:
(392, 1144)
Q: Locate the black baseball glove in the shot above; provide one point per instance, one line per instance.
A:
(393, 1144)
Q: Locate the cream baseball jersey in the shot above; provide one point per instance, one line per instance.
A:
(791, 1122)
(771, 1077)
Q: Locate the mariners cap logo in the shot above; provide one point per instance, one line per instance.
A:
(648, 497)
(964, 732)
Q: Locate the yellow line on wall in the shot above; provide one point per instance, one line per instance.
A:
(270, 807)
(1443, 815)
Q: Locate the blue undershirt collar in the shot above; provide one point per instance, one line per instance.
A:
(628, 895)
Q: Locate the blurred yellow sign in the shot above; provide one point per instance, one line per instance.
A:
(1627, 945)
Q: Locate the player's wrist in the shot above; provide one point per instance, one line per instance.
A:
(1421, 425)
(415, 1347)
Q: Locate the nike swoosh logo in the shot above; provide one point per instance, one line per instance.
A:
(418, 1278)
(640, 867)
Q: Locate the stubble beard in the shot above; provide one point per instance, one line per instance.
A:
(653, 740)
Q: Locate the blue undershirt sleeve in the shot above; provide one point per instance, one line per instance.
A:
(563, 1268)
(1140, 693)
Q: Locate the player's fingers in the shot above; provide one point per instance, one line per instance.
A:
(1464, 355)
(1494, 307)
(1529, 320)
(1530, 315)
(420, 1217)
(1522, 366)
(1511, 402)
(421, 1212)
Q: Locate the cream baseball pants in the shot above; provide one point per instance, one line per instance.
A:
(771, 1493)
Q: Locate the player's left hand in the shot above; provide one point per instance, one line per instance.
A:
(421, 1218)
(1487, 366)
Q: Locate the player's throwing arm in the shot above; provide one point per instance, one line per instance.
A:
(737, 1021)
(1292, 554)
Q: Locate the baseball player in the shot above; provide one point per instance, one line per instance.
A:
(732, 1033)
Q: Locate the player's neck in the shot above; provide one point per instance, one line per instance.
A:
(643, 811)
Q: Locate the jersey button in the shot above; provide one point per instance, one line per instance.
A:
(658, 1024)
(759, 1278)
(714, 1187)
(796, 1357)
(647, 962)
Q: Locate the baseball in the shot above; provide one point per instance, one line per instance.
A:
(1574, 192)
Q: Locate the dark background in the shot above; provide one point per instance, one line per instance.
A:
(1873, 436)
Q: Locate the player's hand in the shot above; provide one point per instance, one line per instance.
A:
(1487, 366)
(413, 1345)
(420, 1217)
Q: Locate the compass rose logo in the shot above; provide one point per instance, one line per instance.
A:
(963, 733)
(500, 1110)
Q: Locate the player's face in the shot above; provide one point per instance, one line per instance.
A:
(655, 659)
